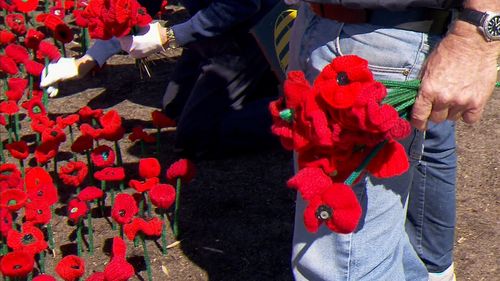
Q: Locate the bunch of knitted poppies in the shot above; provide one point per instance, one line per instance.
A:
(340, 128)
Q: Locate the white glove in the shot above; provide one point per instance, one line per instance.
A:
(63, 69)
(102, 50)
(146, 42)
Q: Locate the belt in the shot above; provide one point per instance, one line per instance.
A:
(424, 20)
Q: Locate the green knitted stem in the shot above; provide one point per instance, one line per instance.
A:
(354, 175)
(103, 202)
(119, 160)
(91, 231)
(17, 128)
(141, 206)
(120, 227)
(148, 202)
(176, 208)
(164, 232)
(79, 238)
(30, 276)
(23, 173)
(91, 167)
(49, 229)
(9, 121)
(146, 258)
(41, 261)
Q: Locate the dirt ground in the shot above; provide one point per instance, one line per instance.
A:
(237, 215)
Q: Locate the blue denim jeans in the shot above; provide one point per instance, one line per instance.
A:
(431, 207)
(380, 248)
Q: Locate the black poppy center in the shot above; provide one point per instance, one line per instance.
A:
(27, 239)
(342, 78)
(53, 133)
(75, 266)
(122, 213)
(324, 212)
(17, 266)
(39, 193)
(39, 211)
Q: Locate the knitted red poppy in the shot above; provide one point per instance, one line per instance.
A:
(5, 221)
(35, 108)
(119, 248)
(146, 185)
(40, 123)
(46, 151)
(13, 199)
(76, 210)
(17, 264)
(33, 39)
(37, 212)
(47, 50)
(70, 268)
(131, 229)
(103, 156)
(124, 208)
(96, 276)
(118, 270)
(162, 195)
(44, 277)
(88, 130)
(8, 65)
(36, 176)
(16, 23)
(110, 174)
(182, 168)
(54, 134)
(14, 96)
(90, 193)
(32, 67)
(17, 52)
(280, 127)
(46, 192)
(9, 107)
(310, 182)
(18, 149)
(73, 173)
(151, 226)
(68, 120)
(30, 239)
(10, 177)
(160, 120)
(111, 123)
(17, 84)
(79, 19)
(149, 168)
(86, 113)
(139, 134)
(25, 6)
(6, 37)
(82, 144)
(337, 207)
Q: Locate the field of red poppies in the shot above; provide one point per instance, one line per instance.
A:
(90, 188)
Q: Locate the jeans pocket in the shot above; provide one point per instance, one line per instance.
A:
(391, 53)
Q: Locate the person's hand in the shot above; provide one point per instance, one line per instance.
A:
(63, 69)
(458, 78)
(147, 41)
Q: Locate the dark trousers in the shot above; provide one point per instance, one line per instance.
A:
(219, 94)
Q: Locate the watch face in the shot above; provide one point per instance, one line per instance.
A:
(493, 26)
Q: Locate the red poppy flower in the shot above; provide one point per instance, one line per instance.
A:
(17, 264)
(162, 195)
(6, 37)
(17, 52)
(10, 176)
(110, 174)
(34, 68)
(47, 50)
(150, 227)
(9, 107)
(118, 270)
(139, 134)
(86, 113)
(73, 173)
(111, 123)
(41, 123)
(33, 39)
(70, 268)
(8, 65)
(82, 144)
(124, 208)
(35, 107)
(63, 122)
(77, 209)
(79, 19)
(5, 221)
(119, 248)
(14, 96)
(55, 134)
(46, 151)
(103, 156)
(46, 192)
(182, 168)
(38, 212)
(30, 239)
(13, 199)
(90, 193)
(44, 277)
(310, 182)
(36, 176)
(337, 207)
(146, 185)
(18, 149)
(160, 120)
(63, 33)
(88, 130)
(149, 168)
(25, 6)
(390, 161)
(17, 84)
(16, 23)
(96, 276)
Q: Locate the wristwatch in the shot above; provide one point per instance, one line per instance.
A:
(487, 22)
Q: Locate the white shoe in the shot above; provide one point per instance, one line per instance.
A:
(447, 275)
